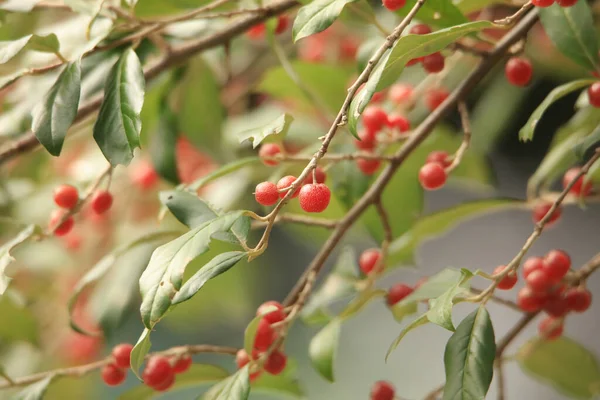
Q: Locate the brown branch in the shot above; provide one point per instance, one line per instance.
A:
(512, 18)
(466, 142)
(81, 370)
(433, 395)
(419, 134)
(508, 303)
(500, 379)
(589, 268)
(299, 219)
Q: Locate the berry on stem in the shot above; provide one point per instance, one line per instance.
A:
(265, 335)
(63, 228)
(257, 31)
(269, 150)
(594, 94)
(314, 197)
(368, 260)
(541, 209)
(542, 3)
(367, 140)
(368, 167)
(272, 310)
(532, 264)
(578, 299)
(518, 71)
(400, 93)
(374, 118)
(394, 5)
(402, 124)
(432, 176)
(283, 21)
(539, 281)
(439, 156)
(286, 182)
(529, 301)
(122, 355)
(101, 201)
(556, 306)
(113, 375)
(382, 390)
(166, 384)
(433, 63)
(241, 358)
(556, 264)
(550, 328)
(182, 364)
(144, 176)
(275, 363)
(319, 173)
(578, 188)
(66, 196)
(435, 97)
(398, 292)
(420, 29)
(509, 281)
(266, 193)
(158, 370)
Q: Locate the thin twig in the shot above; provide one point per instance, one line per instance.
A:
(512, 18)
(500, 378)
(584, 272)
(464, 145)
(299, 219)
(508, 303)
(433, 395)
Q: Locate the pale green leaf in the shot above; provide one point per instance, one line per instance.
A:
(6, 258)
(440, 13)
(35, 391)
(277, 127)
(421, 320)
(323, 348)
(9, 49)
(440, 308)
(317, 16)
(236, 387)
(139, 352)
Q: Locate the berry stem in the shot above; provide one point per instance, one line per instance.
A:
(517, 15)
(466, 142)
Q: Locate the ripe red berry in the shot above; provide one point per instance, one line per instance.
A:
(62, 229)
(158, 370)
(539, 281)
(374, 118)
(529, 301)
(550, 328)
(400, 93)
(272, 310)
(265, 335)
(578, 299)
(286, 182)
(433, 63)
(269, 150)
(144, 176)
(394, 5)
(320, 175)
(556, 264)
(266, 193)
(398, 292)
(113, 375)
(439, 156)
(241, 358)
(367, 140)
(101, 201)
(432, 176)
(368, 260)
(368, 167)
(578, 188)
(257, 31)
(402, 124)
(556, 306)
(518, 71)
(283, 21)
(66, 196)
(542, 3)
(532, 264)
(122, 354)
(414, 61)
(275, 363)
(382, 390)
(509, 281)
(420, 29)
(541, 209)
(314, 197)
(566, 3)
(166, 384)
(594, 94)
(435, 97)
(182, 364)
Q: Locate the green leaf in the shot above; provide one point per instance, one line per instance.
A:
(436, 285)
(236, 387)
(215, 267)
(563, 363)
(526, 133)
(404, 309)
(421, 320)
(35, 391)
(117, 129)
(9, 49)
(406, 48)
(163, 277)
(23, 324)
(250, 333)
(317, 16)
(277, 127)
(360, 302)
(163, 145)
(282, 384)
(469, 358)
(223, 171)
(139, 352)
(590, 143)
(188, 208)
(402, 249)
(23, 6)
(197, 375)
(440, 308)
(46, 44)
(323, 347)
(53, 116)
(440, 13)
(6, 258)
(572, 31)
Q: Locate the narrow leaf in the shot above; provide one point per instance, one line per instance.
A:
(118, 126)
(440, 308)
(323, 347)
(188, 208)
(526, 133)
(163, 146)
(421, 320)
(283, 385)
(9, 49)
(224, 170)
(404, 309)
(139, 352)
(236, 387)
(47, 43)
(317, 16)
(53, 116)
(35, 391)
(277, 127)
(469, 358)
(440, 13)
(250, 333)
(590, 143)
(6, 258)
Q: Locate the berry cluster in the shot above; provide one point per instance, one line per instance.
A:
(382, 390)
(335, 44)
(258, 31)
(434, 173)
(432, 63)
(548, 3)
(518, 71)
(266, 335)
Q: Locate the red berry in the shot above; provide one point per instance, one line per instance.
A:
(532, 264)
(529, 301)
(286, 182)
(368, 167)
(144, 176)
(272, 310)
(113, 375)
(367, 140)
(320, 175)
(509, 281)
(542, 3)
(397, 293)
(348, 50)
(556, 264)
(66, 196)
(122, 354)
(257, 31)
(402, 124)
(377, 97)
(101, 201)
(550, 328)
(283, 21)
(566, 3)
(541, 209)
(414, 61)
(433, 63)
(556, 306)
(62, 229)
(439, 156)
(265, 336)
(182, 364)
(374, 118)
(539, 281)
(518, 71)
(393, 5)
(368, 259)
(275, 363)
(158, 370)
(578, 299)
(420, 29)
(269, 150)
(400, 93)
(266, 193)
(432, 176)
(578, 188)
(435, 97)
(166, 384)
(594, 94)
(382, 390)
(314, 197)
(241, 358)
